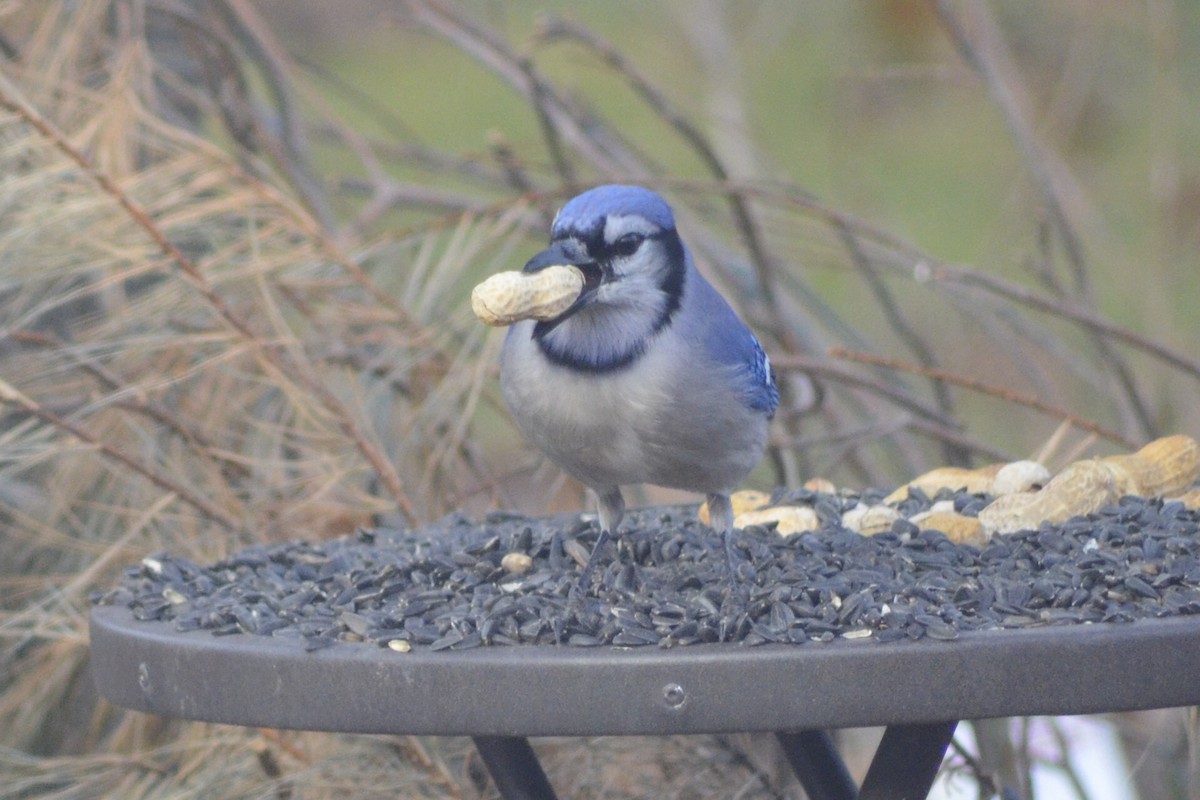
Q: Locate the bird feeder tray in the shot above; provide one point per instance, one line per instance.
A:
(919, 683)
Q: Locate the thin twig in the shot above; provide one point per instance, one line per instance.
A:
(195, 278)
(413, 751)
(312, 226)
(980, 48)
(136, 400)
(556, 28)
(924, 267)
(539, 96)
(984, 388)
(1085, 318)
(824, 369)
(260, 45)
(987, 787)
(960, 439)
(929, 422)
(502, 151)
(1063, 762)
(497, 56)
(896, 321)
(12, 397)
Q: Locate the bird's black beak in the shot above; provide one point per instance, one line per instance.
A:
(566, 253)
(570, 254)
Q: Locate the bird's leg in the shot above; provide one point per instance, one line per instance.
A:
(612, 509)
(720, 515)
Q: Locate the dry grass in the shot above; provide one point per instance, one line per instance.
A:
(209, 339)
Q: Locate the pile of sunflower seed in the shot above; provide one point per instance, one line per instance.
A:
(510, 580)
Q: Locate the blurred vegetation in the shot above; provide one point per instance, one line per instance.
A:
(236, 238)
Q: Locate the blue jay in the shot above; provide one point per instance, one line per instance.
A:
(650, 376)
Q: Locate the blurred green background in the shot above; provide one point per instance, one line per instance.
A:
(865, 104)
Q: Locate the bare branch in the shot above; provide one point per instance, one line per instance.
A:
(984, 388)
(980, 46)
(12, 397)
(276, 356)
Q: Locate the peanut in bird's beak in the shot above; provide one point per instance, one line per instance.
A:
(509, 297)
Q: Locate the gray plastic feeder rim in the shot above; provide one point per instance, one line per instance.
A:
(568, 691)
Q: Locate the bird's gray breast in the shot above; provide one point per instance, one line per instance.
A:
(666, 419)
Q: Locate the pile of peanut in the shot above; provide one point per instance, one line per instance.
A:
(1025, 494)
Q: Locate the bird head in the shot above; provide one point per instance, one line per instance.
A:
(623, 240)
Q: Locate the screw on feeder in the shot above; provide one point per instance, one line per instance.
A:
(674, 695)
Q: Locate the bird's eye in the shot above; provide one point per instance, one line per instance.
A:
(628, 244)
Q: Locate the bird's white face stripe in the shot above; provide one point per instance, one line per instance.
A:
(616, 226)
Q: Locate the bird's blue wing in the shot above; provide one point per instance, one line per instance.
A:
(728, 341)
(764, 396)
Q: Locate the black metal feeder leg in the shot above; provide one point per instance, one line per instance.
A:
(907, 761)
(514, 768)
(818, 765)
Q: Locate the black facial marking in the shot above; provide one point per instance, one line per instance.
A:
(671, 285)
(627, 245)
(593, 366)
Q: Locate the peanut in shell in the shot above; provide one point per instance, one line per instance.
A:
(1165, 466)
(509, 297)
(789, 519)
(957, 527)
(1081, 488)
(974, 481)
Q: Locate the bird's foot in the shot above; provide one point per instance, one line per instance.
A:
(585, 578)
(720, 513)
(612, 509)
(738, 588)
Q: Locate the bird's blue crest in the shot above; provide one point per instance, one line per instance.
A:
(587, 211)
